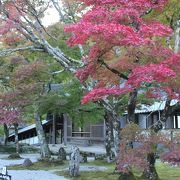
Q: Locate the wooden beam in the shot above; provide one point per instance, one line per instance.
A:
(65, 120)
(54, 129)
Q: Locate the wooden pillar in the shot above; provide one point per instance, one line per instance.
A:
(65, 122)
(104, 134)
(54, 129)
(176, 121)
(50, 133)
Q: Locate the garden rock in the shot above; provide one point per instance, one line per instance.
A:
(83, 157)
(100, 156)
(14, 156)
(74, 161)
(27, 162)
(62, 154)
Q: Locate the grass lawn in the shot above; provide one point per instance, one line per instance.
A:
(165, 171)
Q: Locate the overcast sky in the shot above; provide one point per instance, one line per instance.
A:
(51, 17)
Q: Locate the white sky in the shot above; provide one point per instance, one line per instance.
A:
(51, 17)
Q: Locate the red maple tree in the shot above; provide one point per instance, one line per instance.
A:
(111, 26)
(127, 54)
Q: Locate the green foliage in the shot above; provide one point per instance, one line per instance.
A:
(59, 40)
(7, 149)
(1, 130)
(142, 99)
(120, 104)
(129, 133)
(28, 115)
(68, 100)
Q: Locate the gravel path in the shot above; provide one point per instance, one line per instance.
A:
(4, 161)
(87, 168)
(39, 174)
(27, 174)
(34, 175)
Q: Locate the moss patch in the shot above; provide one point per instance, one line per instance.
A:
(41, 165)
(7, 149)
(97, 175)
(14, 156)
(165, 171)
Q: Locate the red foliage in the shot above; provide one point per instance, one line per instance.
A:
(27, 81)
(11, 19)
(82, 74)
(9, 111)
(100, 93)
(172, 156)
(149, 73)
(110, 24)
(136, 144)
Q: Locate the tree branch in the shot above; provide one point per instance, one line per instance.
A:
(7, 52)
(121, 75)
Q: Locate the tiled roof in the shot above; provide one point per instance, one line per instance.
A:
(29, 127)
(157, 106)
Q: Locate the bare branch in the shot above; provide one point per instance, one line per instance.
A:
(7, 52)
(37, 25)
(177, 37)
(71, 17)
(59, 10)
(58, 72)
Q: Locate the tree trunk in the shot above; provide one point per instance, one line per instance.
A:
(113, 118)
(130, 118)
(6, 134)
(109, 137)
(16, 137)
(127, 176)
(177, 38)
(45, 153)
(116, 135)
(150, 173)
(165, 114)
(132, 106)
(74, 161)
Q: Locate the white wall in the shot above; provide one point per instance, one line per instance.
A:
(169, 123)
(123, 121)
(30, 141)
(142, 120)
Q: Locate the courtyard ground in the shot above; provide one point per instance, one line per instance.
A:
(93, 170)
(27, 174)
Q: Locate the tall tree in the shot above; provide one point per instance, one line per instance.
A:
(17, 20)
(124, 43)
(27, 81)
(126, 47)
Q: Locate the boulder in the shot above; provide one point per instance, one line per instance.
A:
(61, 154)
(83, 157)
(14, 156)
(27, 162)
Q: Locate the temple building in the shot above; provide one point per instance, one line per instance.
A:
(61, 129)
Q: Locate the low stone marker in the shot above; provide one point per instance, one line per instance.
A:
(74, 161)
